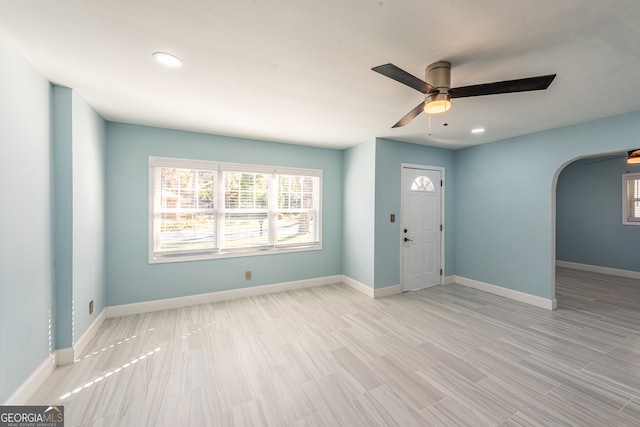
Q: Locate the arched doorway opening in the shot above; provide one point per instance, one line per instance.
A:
(588, 229)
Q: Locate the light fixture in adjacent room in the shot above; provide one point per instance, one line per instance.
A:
(477, 130)
(633, 156)
(167, 59)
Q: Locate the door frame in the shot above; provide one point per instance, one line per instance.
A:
(442, 218)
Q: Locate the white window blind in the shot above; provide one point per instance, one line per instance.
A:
(246, 210)
(202, 210)
(184, 209)
(297, 214)
(631, 199)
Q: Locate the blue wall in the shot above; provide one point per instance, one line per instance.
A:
(52, 218)
(89, 156)
(372, 172)
(79, 179)
(63, 213)
(359, 213)
(130, 278)
(389, 157)
(505, 198)
(589, 227)
(26, 245)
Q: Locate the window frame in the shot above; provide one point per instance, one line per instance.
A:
(272, 173)
(627, 198)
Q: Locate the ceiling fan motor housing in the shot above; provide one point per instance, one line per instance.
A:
(438, 75)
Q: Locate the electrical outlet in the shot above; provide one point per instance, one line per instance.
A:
(91, 307)
(247, 275)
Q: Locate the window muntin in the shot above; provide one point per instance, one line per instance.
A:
(201, 210)
(631, 199)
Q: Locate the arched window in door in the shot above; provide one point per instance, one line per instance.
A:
(422, 183)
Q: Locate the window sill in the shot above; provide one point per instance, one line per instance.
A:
(211, 255)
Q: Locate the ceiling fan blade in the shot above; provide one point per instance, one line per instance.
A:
(410, 116)
(507, 86)
(403, 77)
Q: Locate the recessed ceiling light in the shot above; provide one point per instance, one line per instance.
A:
(167, 59)
(477, 130)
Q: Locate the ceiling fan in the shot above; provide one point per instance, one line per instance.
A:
(438, 91)
(633, 157)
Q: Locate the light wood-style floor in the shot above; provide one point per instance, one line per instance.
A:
(444, 356)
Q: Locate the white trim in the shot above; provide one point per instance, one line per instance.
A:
(186, 301)
(599, 269)
(626, 198)
(549, 304)
(65, 356)
(369, 291)
(34, 382)
(448, 280)
(387, 291)
(181, 162)
(358, 286)
(441, 170)
(88, 335)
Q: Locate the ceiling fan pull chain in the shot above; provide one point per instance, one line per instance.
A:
(429, 116)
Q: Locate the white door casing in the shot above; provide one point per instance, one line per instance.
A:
(421, 226)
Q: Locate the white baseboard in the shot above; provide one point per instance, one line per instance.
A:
(358, 286)
(85, 339)
(371, 292)
(65, 356)
(170, 303)
(61, 357)
(599, 269)
(448, 280)
(549, 304)
(387, 291)
(33, 383)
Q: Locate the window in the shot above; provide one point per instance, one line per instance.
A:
(202, 210)
(631, 199)
(422, 183)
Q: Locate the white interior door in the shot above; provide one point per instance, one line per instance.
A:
(421, 231)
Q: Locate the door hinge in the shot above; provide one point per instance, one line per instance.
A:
(440, 183)
(440, 227)
(441, 272)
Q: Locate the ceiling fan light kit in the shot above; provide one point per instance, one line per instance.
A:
(437, 103)
(633, 156)
(438, 91)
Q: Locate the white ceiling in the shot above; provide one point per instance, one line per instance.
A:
(299, 71)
